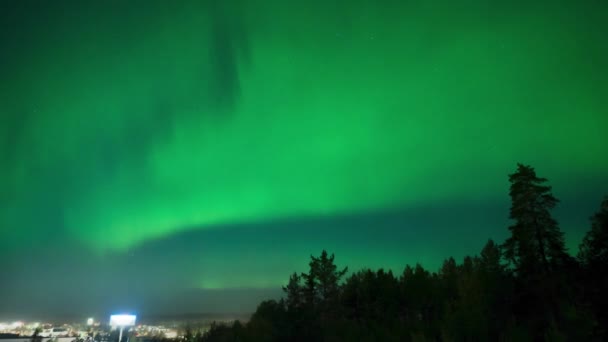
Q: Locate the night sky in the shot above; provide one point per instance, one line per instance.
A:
(174, 156)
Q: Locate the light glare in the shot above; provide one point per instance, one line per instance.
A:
(122, 320)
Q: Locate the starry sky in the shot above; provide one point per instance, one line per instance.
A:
(187, 156)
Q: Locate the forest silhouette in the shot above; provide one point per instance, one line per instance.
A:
(528, 288)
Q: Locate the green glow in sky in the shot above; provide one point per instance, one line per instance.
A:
(179, 116)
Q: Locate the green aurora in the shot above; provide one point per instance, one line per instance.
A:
(130, 122)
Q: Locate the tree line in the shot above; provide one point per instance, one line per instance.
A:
(528, 288)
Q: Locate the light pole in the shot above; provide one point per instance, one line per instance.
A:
(122, 321)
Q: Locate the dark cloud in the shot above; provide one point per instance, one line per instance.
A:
(229, 47)
(164, 273)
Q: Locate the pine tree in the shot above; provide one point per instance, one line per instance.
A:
(594, 249)
(593, 255)
(496, 290)
(310, 288)
(490, 259)
(536, 244)
(537, 252)
(328, 276)
(294, 291)
(321, 284)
